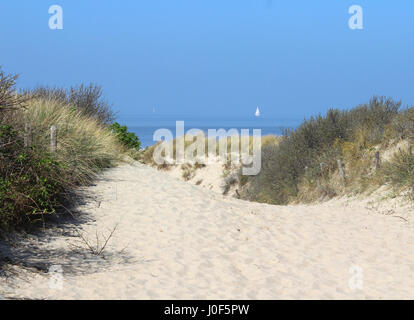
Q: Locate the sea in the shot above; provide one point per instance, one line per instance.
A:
(144, 126)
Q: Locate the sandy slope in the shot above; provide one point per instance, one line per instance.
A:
(186, 242)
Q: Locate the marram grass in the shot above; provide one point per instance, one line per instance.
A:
(84, 145)
(35, 182)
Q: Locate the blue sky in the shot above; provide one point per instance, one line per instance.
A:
(208, 57)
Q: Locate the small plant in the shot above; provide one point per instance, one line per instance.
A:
(128, 139)
(97, 245)
(400, 170)
(229, 181)
(188, 171)
(8, 99)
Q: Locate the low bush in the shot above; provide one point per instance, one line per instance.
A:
(399, 171)
(87, 99)
(128, 139)
(307, 156)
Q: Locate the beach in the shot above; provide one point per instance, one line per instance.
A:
(176, 240)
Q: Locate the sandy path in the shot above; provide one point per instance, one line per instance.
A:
(186, 242)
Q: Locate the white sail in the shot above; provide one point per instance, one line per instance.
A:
(257, 114)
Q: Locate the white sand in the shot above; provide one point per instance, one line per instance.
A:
(210, 176)
(187, 242)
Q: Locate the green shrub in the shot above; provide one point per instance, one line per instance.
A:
(128, 139)
(29, 180)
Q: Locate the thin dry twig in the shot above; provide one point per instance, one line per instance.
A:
(98, 248)
(401, 218)
(107, 239)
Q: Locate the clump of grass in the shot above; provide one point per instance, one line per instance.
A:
(188, 171)
(230, 180)
(33, 181)
(98, 244)
(85, 146)
(400, 171)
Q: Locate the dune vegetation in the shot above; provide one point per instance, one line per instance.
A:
(345, 152)
(189, 168)
(147, 155)
(371, 141)
(352, 151)
(36, 182)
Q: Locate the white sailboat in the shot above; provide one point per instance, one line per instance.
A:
(257, 114)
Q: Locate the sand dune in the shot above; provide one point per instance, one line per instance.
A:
(175, 240)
